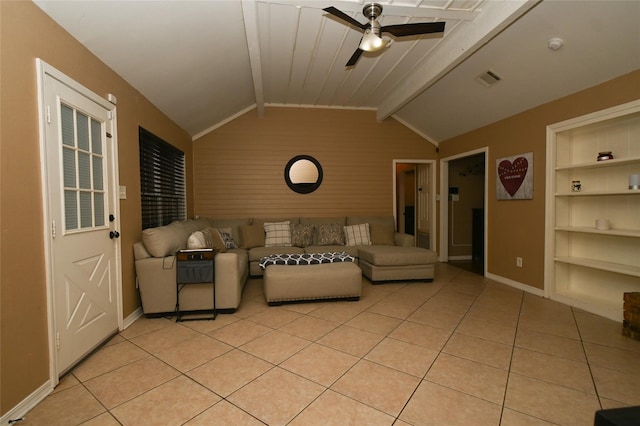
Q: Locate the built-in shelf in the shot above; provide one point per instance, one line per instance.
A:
(603, 266)
(587, 267)
(587, 230)
(598, 193)
(598, 164)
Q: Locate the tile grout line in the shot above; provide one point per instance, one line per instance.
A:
(586, 357)
(513, 349)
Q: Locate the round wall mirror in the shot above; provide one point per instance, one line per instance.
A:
(303, 174)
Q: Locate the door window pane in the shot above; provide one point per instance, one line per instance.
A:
(83, 131)
(70, 210)
(83, 170)
(66, 118)
(69, 166)
(98, 205)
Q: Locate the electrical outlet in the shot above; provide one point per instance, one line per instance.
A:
(519, 262)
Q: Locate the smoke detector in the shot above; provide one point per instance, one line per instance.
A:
(488, 78)
(555, 43)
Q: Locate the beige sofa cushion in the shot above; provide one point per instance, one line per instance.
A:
(164, 240)
(252, 236)
(381, 234)
(397, 256)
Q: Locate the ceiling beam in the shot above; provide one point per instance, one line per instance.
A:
(250, 15)
(495, 16)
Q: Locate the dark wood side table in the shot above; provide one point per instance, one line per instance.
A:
(195, 267)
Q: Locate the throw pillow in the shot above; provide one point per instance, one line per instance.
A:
(381, 234)
(329, 234)
(227, 237)
(302, 235)
(252, 236)
(278, 234)
(357, 235)
(197, 241)
(216, 240)
(206, 239)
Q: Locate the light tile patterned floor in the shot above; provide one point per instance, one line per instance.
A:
(463, 350)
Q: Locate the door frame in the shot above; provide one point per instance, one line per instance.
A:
(444, 205)
(42, 71)
(432, 163)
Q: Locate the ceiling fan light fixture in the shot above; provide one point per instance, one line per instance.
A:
(371, 42)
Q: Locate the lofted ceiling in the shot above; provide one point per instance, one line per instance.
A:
(203, 63)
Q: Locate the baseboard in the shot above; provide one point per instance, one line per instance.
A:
(515, 284)
(464, 257)
(132, 318)
(20, 410)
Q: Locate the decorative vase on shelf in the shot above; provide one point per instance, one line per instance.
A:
(605, 155)
(634, 182)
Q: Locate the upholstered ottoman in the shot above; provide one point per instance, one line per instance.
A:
(303, 281)
(397, 263)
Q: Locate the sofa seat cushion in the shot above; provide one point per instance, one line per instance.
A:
(397, 256)
(350, 250)
(257, 253)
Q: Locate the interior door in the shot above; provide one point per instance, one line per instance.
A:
(82, 209)
(423, 210)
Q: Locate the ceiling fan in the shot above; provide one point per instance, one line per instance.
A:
(371, 40)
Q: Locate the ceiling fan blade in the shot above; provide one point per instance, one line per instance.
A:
(339, 14)
(354, 58)
(402, 30)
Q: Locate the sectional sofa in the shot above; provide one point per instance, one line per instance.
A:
(382, 254)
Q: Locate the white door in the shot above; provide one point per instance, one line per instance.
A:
(81, 203)
(423, 208)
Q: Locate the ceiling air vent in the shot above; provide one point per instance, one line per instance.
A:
(488, 78)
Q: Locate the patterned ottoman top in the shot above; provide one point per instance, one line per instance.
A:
(305, 259)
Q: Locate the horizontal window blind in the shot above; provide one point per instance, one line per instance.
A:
(162, 181)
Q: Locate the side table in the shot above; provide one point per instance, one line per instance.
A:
(195, 267)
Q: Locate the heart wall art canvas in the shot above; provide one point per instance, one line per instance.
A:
(515, 177)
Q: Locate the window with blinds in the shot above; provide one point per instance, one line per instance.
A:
(162, 181)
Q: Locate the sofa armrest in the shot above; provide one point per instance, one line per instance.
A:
(231, 275)
(140, 251)
(403, 240)
(157, 283)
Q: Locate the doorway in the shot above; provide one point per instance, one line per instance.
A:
(81, 218)
(463, 210)
(414, 199)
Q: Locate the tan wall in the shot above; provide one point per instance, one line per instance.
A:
(26, 33)
(239, 168)
(516, 228)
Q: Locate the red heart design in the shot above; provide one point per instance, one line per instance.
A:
(512, 175)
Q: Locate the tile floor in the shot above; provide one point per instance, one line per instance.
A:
(463, 350)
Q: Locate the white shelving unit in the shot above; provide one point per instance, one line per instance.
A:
(586, 267)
